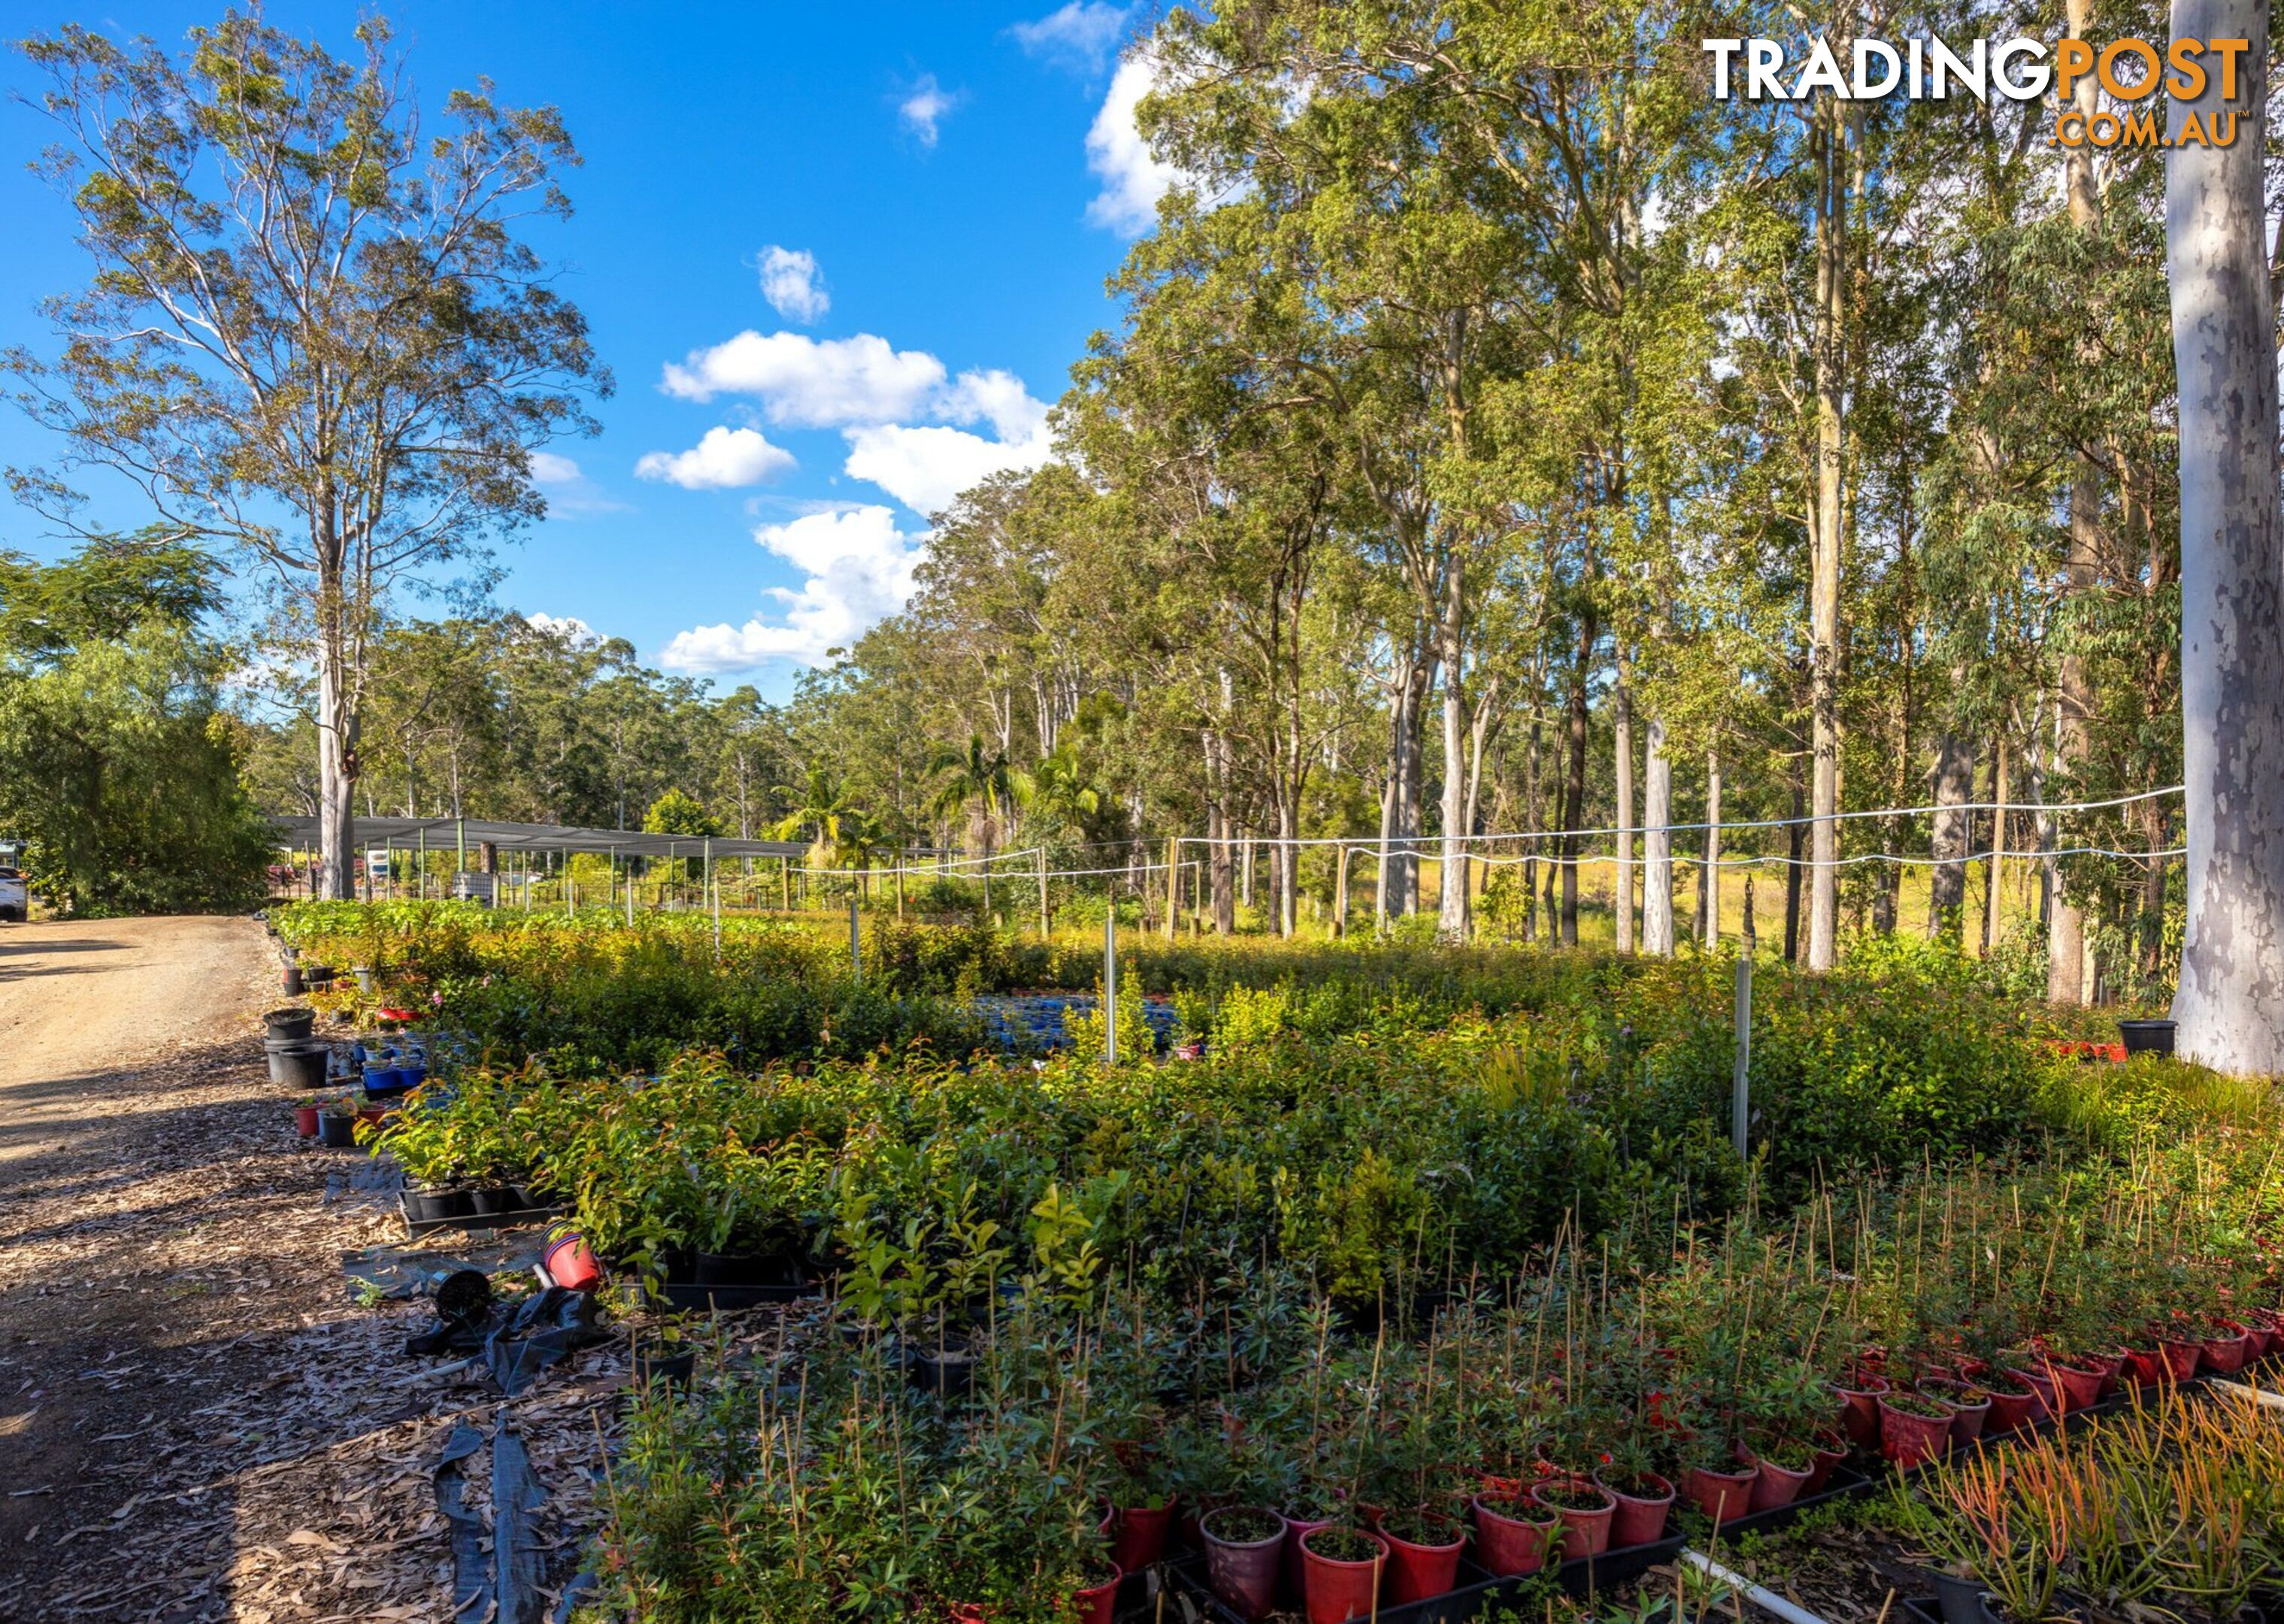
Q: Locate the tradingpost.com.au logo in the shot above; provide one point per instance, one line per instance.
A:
(2132, 71)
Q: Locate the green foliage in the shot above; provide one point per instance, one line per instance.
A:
(677, 813)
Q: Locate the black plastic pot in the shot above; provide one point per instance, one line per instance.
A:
(289, 1023)
(337, 1132)
(290, 979)
(436, 1206)
(948, 1372)
(2147, 1037)
(672, 1369)
(493, 1200)
(299, 1065)
(745, 1268)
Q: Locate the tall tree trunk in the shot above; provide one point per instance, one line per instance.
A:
(1795, 838)
(1622, 731)
(1574, 785)
(1217, 833)
(1657, 845)
(2074, 695)
(1532, 824)
(2231, 999)
(337, 756)
(1451, 890)
(1286, 866)
(1993, 919)
(1954, 778)
(1825, 540)
(1709, 919)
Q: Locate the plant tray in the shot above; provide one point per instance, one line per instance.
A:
(1846, 1483)
(476, 1220)
(1580, 1577)
(702, 1299)
(1477, 1592)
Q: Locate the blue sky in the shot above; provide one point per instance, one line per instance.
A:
(838, 257)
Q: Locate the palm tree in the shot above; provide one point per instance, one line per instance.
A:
(1061, 795)
(824, 812)
(985, 786)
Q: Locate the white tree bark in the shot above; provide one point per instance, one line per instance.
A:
(1623, 728)
(1711, 924)
(2230, 1003)
(1657, 845)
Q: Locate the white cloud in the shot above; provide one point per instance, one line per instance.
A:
(926, 468)
(924, 108)
(722, 459)
(809, 382)
(568, 626)
(858, 568)
(1133, 180)
(791, 283)
(569, 493)
(1081, 34)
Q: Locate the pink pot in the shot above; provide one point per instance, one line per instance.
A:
(2010, 1412)
(1908, 1439)
(2144, 1368)
(1774, 1486)
(1244, 1573)
(1289, 1570)
(1640, 1518)
(2080, 1389)
(1584, 1534)
(1507, 1545)
(1859, 1411)
(1722, 1496)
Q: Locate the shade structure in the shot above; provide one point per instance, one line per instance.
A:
(443, 833)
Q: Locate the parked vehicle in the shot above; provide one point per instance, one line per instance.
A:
(15, 901)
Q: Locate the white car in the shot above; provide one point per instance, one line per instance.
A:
(15, 903)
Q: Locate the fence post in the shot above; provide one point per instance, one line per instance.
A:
(856, 944)
(1110, 981)
(714, 891)
(1741, 1101)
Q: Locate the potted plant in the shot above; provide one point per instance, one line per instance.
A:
(1643, 1498)
(1341, 1567)
(1584, 1510)
(1713, 1482)
(1512, 1533)
(1423, 1553)
(1914, 1427)
(1781, 1467)
(1244, 1548)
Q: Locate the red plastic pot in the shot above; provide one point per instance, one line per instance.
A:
(1774, 1485)
(1585, 1533)
(2050, 1397)
(1098, 1603)
(305, 1121)
(2225, 1355)
(2111, 1362)
(1507, 1545)
(1416, 1572)
(2181, 1358)
(1243, 1572)
(1830, 1448)
(1335, 1591)
(2080, 1389)
(568, 1263)
(2010, 1411)
(1138, 1535)
(2144, 1368)
(1722, 1496)
(1859, 1411)
(1640, 1518)
(1907, 1440)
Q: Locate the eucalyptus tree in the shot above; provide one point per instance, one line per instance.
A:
(2230, 1002)
(314, 335)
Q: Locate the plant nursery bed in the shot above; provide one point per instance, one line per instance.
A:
(474, 1222)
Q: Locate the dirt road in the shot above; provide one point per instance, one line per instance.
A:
(179, 1361)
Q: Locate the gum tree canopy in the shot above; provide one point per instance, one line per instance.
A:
(2230, 1002)
(314, 337)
